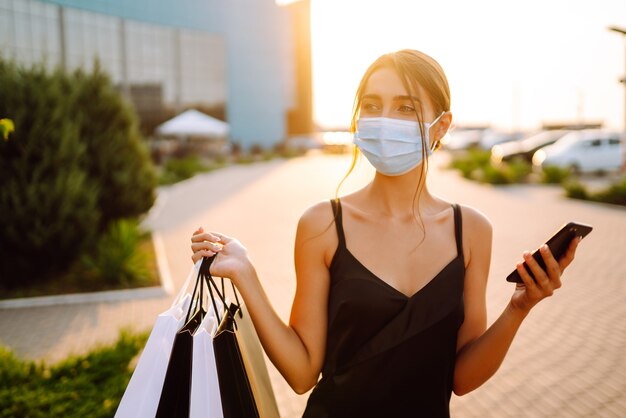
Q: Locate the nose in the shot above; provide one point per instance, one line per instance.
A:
(386, 111)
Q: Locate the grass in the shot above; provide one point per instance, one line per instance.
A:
(90, 385)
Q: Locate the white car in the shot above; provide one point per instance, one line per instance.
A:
(525, 148)
(584, 151)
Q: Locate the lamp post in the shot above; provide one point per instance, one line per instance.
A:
(622, 80)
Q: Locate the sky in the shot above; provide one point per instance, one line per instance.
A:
(511, 65)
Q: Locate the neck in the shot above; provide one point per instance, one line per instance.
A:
(396, 196)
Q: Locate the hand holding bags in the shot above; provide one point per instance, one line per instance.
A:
(207, 363)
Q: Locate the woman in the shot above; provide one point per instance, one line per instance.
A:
(390, 303)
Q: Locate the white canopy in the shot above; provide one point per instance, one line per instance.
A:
(193, 123)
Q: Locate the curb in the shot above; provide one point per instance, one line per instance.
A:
(166, 288)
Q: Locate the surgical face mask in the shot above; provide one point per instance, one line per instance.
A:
(392, 146)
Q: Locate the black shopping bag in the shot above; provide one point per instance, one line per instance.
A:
(245, 388)
(175, 395)
(235, 390)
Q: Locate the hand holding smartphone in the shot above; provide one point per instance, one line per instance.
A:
(558, 244)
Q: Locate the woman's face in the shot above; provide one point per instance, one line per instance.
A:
(385, 96)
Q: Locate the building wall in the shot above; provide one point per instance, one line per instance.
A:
(237, 51)
(260, 61)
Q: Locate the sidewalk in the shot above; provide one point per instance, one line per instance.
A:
(566, 361)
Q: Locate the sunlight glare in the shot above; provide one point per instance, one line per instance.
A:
(513, 65)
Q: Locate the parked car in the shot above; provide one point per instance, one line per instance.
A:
(584, 151)
(526, 147)
(462, 138)
(493, 137)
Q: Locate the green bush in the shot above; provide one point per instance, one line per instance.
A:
(83, 386)
(476, 164)
(48, 203)
(117, 258)
(472, 162)
(615, 193)
(178, 169)
(575, 190)
(75, 163)
(493, 175)
(119, 160)
(554, 174)
(517, 170)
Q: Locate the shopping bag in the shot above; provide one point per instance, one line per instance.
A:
(245, 387)
(205, 390)
(142, 394)
(254, 362)
(174, 401)
(235, 390)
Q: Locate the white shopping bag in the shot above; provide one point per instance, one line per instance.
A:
(143, 392)
(205, 390)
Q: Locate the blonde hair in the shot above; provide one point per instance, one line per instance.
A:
(416, 70)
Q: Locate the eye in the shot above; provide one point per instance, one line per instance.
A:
(369, 107)
(406, 108)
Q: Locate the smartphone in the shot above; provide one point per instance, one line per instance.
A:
(558, 245)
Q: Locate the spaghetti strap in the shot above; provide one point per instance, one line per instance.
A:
(458, 229)
(336, 204)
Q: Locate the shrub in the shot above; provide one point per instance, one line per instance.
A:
(244, 159)
(554, 175)
(476, 164)
(517, 170)
(473, 161)
(83, 386)
(48, 202)
(576, 190)
(117, 257)
(118, 160)
(615, 193)
(285, 151)
(75, 163)
(178, 169)
(493, 175)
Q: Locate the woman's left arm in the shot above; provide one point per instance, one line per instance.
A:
(480, 351)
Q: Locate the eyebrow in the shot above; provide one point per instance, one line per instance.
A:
(376, 96)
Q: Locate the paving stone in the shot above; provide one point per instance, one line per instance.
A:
(567, 359)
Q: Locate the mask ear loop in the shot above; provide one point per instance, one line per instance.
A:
(435, 146)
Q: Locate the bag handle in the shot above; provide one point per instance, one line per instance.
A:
(197, 302)
(194, 270)
(206, 273)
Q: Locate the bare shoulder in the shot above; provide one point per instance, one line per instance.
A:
(475, 221)
(315, 230)
(316, 218)
(477, 234)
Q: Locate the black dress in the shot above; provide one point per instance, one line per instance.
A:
(387, 354)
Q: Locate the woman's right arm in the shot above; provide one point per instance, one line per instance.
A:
(296, 349)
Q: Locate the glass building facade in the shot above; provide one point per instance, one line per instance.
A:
(237, 53)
